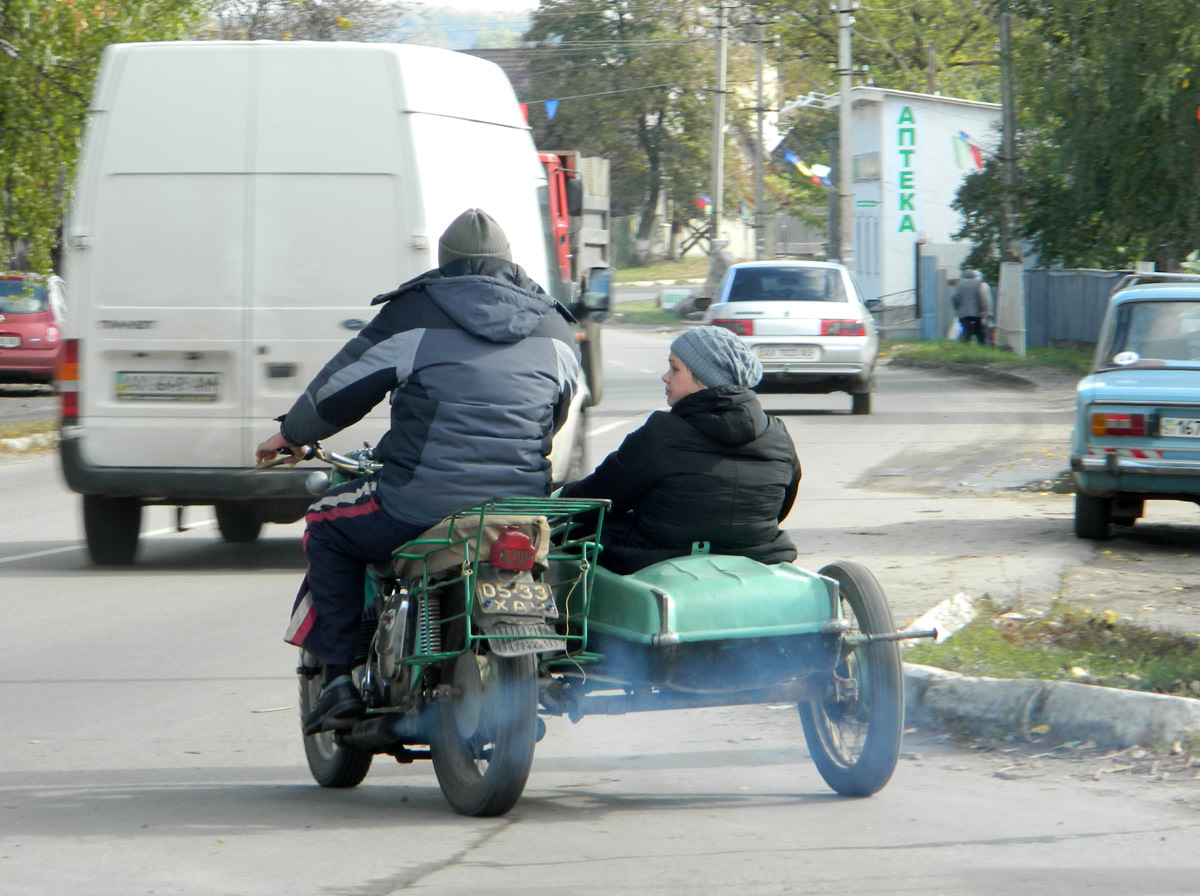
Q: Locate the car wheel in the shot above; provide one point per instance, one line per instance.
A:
(1093, 517)
(237, 522)
(577, 467)
(111, 527)
(860, 403)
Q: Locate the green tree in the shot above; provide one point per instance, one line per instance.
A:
(48, 58)
(1110, 92)
(926, 46)
(633, 83)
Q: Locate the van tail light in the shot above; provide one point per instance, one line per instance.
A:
(843, 328)
(68, 382)
(1118, 424)
(736, 327)
(512, 551)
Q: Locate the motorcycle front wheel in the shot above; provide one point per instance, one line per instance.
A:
(331, 763)
(482, 737)
(853, 731)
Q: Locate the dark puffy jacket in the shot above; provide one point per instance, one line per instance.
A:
(481, 365)
(715, 468)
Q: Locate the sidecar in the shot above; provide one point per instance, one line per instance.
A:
(713, 630)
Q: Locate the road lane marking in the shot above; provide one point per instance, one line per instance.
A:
(77, 547)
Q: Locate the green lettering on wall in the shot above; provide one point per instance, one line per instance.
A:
(906, 202)
(906, 116)
(906, 225)
(907, 180)
(907, 136)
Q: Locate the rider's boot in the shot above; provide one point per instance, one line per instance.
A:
(338, 707)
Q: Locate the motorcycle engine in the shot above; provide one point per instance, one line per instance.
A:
(393, 637)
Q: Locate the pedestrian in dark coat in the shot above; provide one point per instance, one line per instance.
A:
(713, 471)
(480, 365)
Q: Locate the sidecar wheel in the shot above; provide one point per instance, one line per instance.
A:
(855, 741)
(482, 738)
(331, 763)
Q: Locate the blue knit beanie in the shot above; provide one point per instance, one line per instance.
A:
(717, 358)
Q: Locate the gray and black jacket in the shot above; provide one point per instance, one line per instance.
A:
(481, 365)
(715, 468)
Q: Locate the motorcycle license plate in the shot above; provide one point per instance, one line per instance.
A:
(516, 599)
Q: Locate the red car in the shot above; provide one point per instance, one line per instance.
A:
(31, 319)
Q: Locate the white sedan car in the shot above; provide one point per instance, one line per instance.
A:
(807, 323)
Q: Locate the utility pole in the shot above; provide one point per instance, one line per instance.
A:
(759, 213)
(1010, 300)
(718, 150)
(1008, 228)
(845, 149)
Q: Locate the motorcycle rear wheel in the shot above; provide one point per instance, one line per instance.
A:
(855, 742)
(332, 764)
(482, 738)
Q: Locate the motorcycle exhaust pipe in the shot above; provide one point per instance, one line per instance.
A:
(383, 734)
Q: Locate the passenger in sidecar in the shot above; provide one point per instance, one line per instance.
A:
(715, 470)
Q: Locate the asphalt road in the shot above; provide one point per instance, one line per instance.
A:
(151, 741)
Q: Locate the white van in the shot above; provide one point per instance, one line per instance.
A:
(238, 205)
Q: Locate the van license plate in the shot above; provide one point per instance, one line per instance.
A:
(516, 599)
(1179, 426)
(788, 353)
(10, 341)
(151, 385)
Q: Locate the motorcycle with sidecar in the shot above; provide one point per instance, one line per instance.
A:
(503, 609)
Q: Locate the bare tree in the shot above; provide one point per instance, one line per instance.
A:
(364, 20)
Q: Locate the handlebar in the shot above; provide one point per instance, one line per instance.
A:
(357, 462)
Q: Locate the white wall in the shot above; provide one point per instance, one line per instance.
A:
(909, 161)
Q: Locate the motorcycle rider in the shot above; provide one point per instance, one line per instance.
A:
(481, 365)
(715, 468)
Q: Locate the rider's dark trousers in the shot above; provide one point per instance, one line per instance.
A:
(346, 530)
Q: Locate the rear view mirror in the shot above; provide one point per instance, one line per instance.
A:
(575, 196)
(597, 293)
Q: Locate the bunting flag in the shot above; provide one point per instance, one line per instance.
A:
(789, 156)
(525, 112)
(551, 108)
(966, 153)
(818, 174)
(704, 203)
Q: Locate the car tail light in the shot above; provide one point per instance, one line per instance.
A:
(843, 328)
(512, 551)
(68, 381)
(737, 327)
(52, 335)
(1118, 424)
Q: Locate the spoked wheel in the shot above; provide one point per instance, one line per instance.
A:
(482, 737)
(331, 763)
(853, 730)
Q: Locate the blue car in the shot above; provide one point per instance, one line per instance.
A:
(1137, 419)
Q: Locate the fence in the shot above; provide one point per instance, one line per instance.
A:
(1066, 306)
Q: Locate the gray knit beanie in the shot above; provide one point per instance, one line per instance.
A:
(473, 233)
(717, 358)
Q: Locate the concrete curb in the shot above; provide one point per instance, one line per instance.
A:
(38, 441)
(1062, 710)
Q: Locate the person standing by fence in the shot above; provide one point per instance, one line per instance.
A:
(972, 302)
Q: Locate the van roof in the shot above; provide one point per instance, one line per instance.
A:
(428, 79)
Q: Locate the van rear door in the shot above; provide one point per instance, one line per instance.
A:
(162, 267)
(331, 225)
